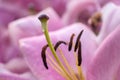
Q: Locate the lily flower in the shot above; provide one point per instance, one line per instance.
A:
(64, 63)
(105, 58)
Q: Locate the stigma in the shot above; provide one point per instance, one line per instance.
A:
(62, 67)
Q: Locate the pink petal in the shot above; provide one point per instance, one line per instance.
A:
(30, 26)
(105, 64)
(111, 20)
(5, 74)
(31, 48)
(8, 13)
(7, 50)
(17, 65)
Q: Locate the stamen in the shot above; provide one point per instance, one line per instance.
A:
(55, 66)
(80, 73)
(71, 42)
(58, 44)
(77, 41)
(43, 55)
(79, 54)
(72, 73)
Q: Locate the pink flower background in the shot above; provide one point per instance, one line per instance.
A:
(20, 30)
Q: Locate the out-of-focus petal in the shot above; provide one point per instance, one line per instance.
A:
(24, 4)
(11, 77)
(111, 19)
(30, 26)
(7, 50)
(9, 13)
(58, 5)
(105, 64)
(17, 65)
(6, 75)
(103, 2)
(38, 5)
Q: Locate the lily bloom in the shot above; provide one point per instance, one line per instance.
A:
(32, 49)
(92, 48)
(63, 61)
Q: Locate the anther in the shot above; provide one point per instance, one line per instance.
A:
(77, 41)
(79, 54)
(58, 44)
(71, 42)
(43, 55)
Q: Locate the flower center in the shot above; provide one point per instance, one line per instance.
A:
(62, 67)
(95, 22)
